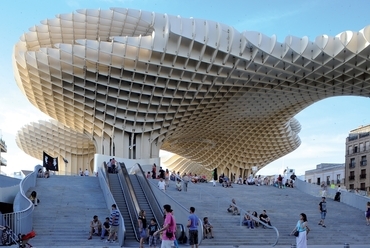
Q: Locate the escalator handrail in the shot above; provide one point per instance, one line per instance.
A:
(126, 195)
(158, 212)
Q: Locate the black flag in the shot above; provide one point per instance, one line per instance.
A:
(50, 163)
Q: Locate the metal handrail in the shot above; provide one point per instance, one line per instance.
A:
(21, 221)
(129, 193)
(245, 212)
(110, 200)
(154, 204)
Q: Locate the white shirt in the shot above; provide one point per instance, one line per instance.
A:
(162, 185)
(86, 173)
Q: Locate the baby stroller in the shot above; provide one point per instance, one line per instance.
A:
(8, 237)
(24, 238)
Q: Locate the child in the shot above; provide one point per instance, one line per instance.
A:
(153, 227)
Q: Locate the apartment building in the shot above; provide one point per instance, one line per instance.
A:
(3, 148)
(357, 152)
(330, 173)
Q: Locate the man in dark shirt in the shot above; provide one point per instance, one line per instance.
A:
(322, 208)
(105, 229)
(264, 218)
(161, 173)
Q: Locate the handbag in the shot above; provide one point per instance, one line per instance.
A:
(296, 233)
(169, 234)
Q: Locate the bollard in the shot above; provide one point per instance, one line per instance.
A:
(293, 246)
(346, 245)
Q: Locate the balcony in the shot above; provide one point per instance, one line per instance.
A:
(363, 162)
(351, 178)
(352, 165)
(3, 147)
(362, 176)
(3, 162)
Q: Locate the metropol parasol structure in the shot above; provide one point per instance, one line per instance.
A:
(133, 82)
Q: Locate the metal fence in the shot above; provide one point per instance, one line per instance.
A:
(21, 220)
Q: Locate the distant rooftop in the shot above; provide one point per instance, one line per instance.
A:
(325, 166)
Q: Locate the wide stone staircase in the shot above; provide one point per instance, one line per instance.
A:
(345, 224)
(67, 205)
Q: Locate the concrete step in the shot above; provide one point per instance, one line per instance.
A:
(345, 224)
(67, 205)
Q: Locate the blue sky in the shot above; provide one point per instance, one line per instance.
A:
(325, 125)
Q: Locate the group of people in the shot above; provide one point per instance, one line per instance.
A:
(85, 173)
(251, 219)
(109, 228)
(168, 238)
(112, 165)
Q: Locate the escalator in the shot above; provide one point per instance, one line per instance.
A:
(131, 195)
(122, 204)
(143, 200)
(140, 198)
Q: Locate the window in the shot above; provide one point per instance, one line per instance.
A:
(362, 148)
(355, 149)
(363, 174)
(350, 150)
(309, 180)
(367, 144)
(328, 180)
(362, 186)
(352, 163)
(351, 186)
(363, 161)
(338, 178)
(351, 175)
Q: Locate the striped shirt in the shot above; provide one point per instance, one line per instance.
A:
(114, 218)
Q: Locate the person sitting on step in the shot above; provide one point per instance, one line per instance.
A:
(233, 208)
(207, 228)
(95, 227)
(248, 220)
(264, 218)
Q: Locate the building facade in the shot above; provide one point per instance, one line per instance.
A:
(357, 152)
(330, 173)
(3, 148)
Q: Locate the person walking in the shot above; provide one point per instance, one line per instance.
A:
(193, 223)
(303, 230)
(368, 213)
(322, 208)
(324, 188)
(185, 180)
(169, 228)
(142, 227)
(114, 224)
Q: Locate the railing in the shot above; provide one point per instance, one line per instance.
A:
(148, 192)
(362, 176)
(2, 143)
(351, 178)
(181, 213)
(352, 165)
(130, 198)
(363, 162)
(242, 213)
(349, 198)
(3, 161)
(21, 220)
(103, 179)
